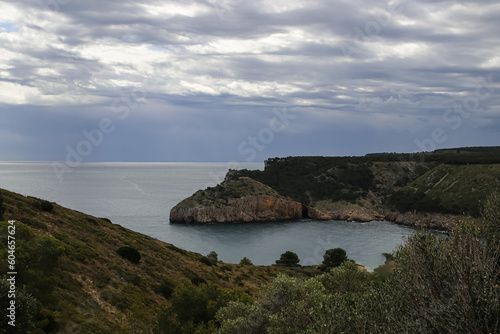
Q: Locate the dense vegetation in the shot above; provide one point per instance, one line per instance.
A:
(434, 284)
(193, 308)
(444, 181)
(311, 179)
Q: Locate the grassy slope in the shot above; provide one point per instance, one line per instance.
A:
(386, 182)
(458, 188)
(98, 291)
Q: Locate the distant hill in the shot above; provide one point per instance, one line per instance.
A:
(70, 263)
(448, 181)
(451, 181)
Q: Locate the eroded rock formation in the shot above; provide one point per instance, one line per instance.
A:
(245, 209)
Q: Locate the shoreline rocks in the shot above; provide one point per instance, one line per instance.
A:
(424, 220)
(358, 215)
(252, 208)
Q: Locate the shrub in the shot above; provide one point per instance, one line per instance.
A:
(27, 308)
(166, 289)
(289, 305)
(345, 278)
(197, 280)
(205, 260)
(450, 284)
(334, 257)
(246, 262)
(46, 206)
(194, 307)
(210, 259)
(46, 252)
(288, 259)
(213, 257)
(490, 211)
(130, 254)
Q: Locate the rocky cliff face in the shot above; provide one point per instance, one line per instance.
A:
(240, 200)
(245, 209)
(243, 199)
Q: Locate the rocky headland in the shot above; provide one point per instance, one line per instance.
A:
(240, 200)
(434, 191)
(246, 200)
(245, 209)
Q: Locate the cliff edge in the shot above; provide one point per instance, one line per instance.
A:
(429, 189)
(240, 200)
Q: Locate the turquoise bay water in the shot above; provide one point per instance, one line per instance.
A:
(139, 196)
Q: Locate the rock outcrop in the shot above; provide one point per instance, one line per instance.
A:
(245, 209)
(425, 220)
(358, 215)
(241, 200)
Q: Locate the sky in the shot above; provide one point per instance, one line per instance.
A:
(232, 80)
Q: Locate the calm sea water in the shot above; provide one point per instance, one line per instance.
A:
(139, 196)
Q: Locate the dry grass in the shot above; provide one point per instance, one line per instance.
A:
(97, 290)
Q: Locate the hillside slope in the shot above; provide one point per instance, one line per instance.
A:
(69, 262)
(453, 181)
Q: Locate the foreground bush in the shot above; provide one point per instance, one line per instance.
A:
(194, 307)
(26, 309)
(36, 258)
(439, 285)
(451, 284)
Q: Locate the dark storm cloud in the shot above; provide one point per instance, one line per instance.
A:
(202, 76)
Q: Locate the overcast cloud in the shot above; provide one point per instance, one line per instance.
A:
(217, 80)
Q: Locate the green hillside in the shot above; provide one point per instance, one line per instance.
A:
(71, 265)
(449, 189)
(451, 181)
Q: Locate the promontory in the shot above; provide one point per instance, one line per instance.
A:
(429, 189)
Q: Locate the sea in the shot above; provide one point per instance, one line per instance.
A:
(139, 196)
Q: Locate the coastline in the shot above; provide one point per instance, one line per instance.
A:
(433, 221)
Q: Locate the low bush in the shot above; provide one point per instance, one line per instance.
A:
(210, 260)
(166, 289)
(46, 206)
(288, 259)
(205, 260)
(130, 254)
